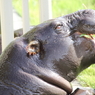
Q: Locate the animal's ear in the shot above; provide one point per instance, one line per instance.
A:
(35, 47)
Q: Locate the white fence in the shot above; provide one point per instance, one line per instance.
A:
(7, 18)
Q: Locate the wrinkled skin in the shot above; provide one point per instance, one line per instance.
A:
(87, 26)
(63, 54)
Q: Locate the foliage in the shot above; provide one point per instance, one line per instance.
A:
(59, 8)
(87, 77)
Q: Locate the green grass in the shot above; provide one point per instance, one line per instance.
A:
(87, 77)
(59, 8)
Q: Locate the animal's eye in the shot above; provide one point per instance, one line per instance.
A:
(58, 27)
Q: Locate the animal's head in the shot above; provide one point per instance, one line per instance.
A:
(62, 50)
(47, 54)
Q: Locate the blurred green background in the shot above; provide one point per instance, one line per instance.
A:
(59, 8)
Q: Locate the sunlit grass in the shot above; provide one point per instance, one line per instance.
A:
(87, 77)
(59, 8)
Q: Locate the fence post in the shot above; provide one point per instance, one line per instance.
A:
(45, 10)
(25, 16)
(6, 22)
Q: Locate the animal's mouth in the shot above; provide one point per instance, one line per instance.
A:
(87, 36)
